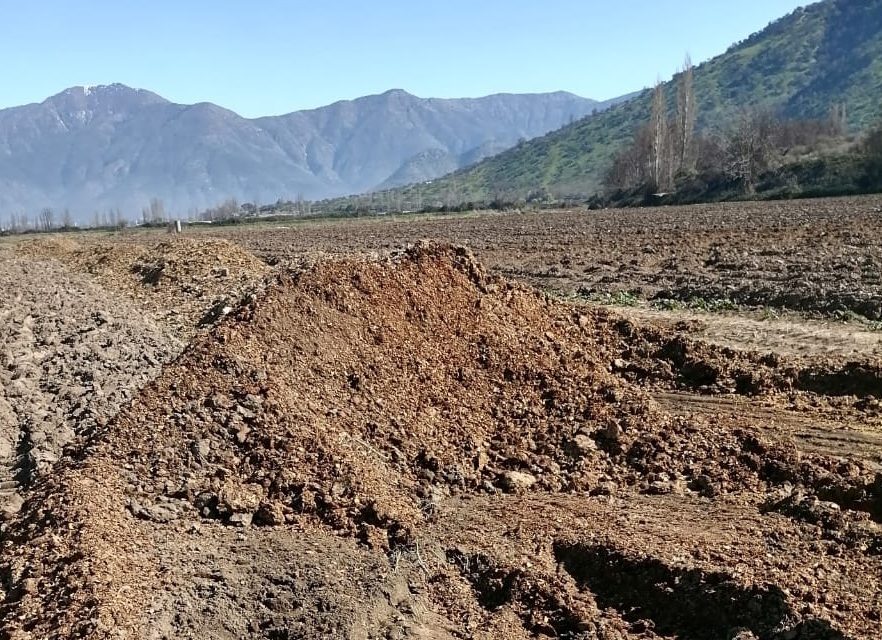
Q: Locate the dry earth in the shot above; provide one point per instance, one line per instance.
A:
(71, 354)
(809, 255)
(367, 443)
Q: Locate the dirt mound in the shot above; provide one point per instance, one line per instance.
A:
(51, 245)
(362, 393)
(174, 263)
(361, 397)
(186, 281)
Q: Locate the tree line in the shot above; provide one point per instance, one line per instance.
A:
(154, 214)
(668, 154)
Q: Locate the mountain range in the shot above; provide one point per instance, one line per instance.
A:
(828, 53)
(94, 148)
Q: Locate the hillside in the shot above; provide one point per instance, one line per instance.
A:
(829, 52)
(93, 148)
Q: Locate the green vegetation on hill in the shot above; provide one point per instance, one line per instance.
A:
(798, 67)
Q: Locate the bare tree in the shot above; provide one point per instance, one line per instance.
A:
(452, 193)
(47, 219)
(157, 210)
(67, 220)
(659, 161)
(631, 166)
(838, 119)
(226, 210)
(686, 113)
(748, 147)
(117, 219)
(871, 150)
(301, 205)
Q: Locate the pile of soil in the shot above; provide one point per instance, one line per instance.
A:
(185, 281)
(360, 397)
(349, 393)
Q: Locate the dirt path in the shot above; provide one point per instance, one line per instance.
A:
(849, 435)
(788, 334)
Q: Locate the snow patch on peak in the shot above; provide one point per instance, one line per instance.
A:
(89, 89)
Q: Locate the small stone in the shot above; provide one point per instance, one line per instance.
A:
(604, 488)
(10, 505)
(704, 485)
(241, 519)
(659, 488)
(516, 481)
(202, 449)
(30, 586)
(269, 514)
(159, 513)
(612, 432)
(246, 412)
(205, 499)
(453, 475)
(252, 402)
(583, 445)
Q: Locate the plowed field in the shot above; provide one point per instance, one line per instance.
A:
(642, 424)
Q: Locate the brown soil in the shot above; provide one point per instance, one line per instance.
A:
(408, 446)
(71, 354)
(789, 334)
(182, 282)
(817, 255)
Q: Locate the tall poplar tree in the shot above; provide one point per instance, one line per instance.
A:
(660, 156)
(686, 113)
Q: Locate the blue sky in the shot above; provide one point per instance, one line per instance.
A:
(273, 56)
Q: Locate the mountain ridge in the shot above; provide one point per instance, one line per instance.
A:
(112, 146)
(826, 53)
